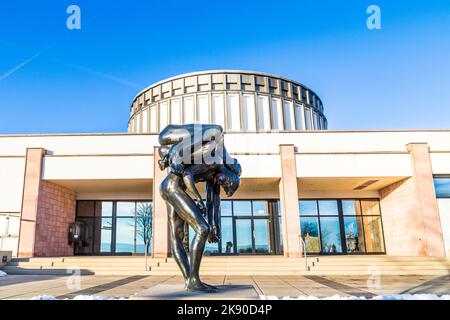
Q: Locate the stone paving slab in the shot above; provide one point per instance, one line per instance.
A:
(177, 291)
(27, 286)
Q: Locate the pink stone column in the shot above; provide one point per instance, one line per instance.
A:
(425, 198)
(160, 234)
(31, 188)
(411, 221)
(289, 202)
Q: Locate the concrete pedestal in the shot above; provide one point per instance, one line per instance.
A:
(177, 291)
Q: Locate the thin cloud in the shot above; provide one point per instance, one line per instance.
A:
(19, 66)
(102, 74)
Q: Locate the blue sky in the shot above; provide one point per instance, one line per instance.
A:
(53, 80)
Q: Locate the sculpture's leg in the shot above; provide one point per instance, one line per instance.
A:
(176, 227)
(190, 213)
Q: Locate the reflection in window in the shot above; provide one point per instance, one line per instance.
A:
(263, 113)
(442, 187)
(217, 110)
(226, 228)
(308, 208)
(310, 233)
(129, 221)
(373, 234)
(233, 112)
(289, 118)
(242, 208)
(316, 126)
(354, 234)
(260, 208)
(126, 208)
(277, 114)
(299, 117)
(308, 118)
(328, 208)
(248, 112)
(330, 233)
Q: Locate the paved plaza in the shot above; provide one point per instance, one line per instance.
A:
(65, 287)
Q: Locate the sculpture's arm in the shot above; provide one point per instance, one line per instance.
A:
(191, 189)
(213, 210)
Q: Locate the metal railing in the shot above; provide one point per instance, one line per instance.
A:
(303, 250)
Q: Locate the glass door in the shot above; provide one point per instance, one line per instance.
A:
(244, 236)
(252, 235)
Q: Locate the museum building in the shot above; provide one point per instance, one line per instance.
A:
(302, 185)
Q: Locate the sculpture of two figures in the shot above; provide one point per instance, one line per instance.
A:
(195, 153)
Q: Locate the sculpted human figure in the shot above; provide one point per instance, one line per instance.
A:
(194, 157)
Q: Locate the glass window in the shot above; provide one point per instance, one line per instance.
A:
(143, 226)
(351, 207)
(263, 113)
(308, 207)
(188, 110)
(299, 117)
(104, 208)
(202, 109)
(260, 208)
(175, 111)
(442, 187)
(242, 208)
(163, 115)
(126, 208)
(233, 112)
(277, 114)
(153, 119)
(225, 208)
(316, 126)
(354, 235)
(373, 234)
(105, 234)
(328, 208)
(226, 228)
(310, 233)
(217, 110)
(308, 118)
(244, 236)
(125, 235)
(330, 233)
(370, 207)
(248, 112)
(14, 226)
(261, 235)
(289, 118)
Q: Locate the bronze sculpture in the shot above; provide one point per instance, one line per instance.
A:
(195, 153)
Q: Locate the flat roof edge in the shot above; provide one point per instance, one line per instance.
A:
(228, 133)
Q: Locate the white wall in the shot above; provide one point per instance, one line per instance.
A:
(11, 184)
(98, 167)
(353, 165)
(444, 211)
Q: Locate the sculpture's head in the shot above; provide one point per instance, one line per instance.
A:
(228, 180)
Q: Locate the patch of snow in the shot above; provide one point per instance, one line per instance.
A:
(43, 297)
(79, 297)
(3, 273)
(381, 297)
(95, 297)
